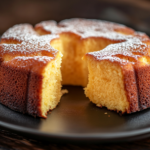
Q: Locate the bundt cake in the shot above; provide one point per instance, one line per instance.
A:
(112, 60)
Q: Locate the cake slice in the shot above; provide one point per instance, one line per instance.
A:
(119, 76)
(30, 76)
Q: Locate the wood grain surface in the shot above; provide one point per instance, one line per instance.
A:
(13, 141)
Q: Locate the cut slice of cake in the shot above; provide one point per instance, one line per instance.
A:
(119, 77)
(30, 76)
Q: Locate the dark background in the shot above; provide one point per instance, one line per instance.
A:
(133, 13)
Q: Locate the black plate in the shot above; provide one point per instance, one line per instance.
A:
(77, 120)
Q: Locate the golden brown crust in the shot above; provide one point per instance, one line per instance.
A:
(143, 84)
(130, 88)
(13, 87)
(34, 95)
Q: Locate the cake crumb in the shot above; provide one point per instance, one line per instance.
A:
(49, 112)
(105, 113)
(64, 91)
(108, 115)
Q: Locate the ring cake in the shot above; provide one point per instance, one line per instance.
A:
(112, 60)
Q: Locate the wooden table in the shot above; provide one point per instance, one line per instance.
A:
(13, 141)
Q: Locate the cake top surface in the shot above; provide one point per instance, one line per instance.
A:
(24, 40)
(86, 28)
(128, 41)
(131, 49)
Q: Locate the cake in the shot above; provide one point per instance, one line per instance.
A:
(123, 71)
(110, 60)
(30, 77)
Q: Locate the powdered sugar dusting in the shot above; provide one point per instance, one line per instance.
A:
(43, 59)
(131, 42)
(132, 48)
(30, 41)
(85, 28)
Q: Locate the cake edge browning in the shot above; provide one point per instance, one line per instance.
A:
(142, 70)
(131, 87)
(13, 89)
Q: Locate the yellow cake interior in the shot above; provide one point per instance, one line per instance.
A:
(74, 68)
(51, 87)
(106, 87)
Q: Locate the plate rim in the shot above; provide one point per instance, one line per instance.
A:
(125, 136)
